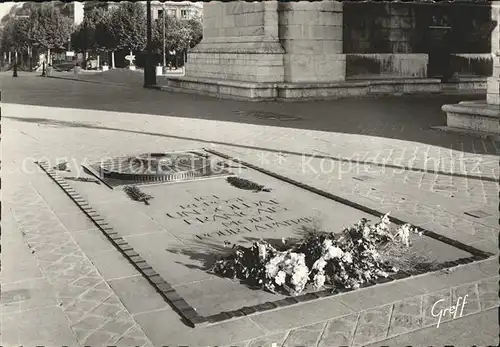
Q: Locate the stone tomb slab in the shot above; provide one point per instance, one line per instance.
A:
(187, 225)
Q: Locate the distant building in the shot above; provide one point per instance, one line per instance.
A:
(76, 12)
(89, 5)
(180, 9)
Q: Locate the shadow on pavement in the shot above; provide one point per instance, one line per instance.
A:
(406, 118)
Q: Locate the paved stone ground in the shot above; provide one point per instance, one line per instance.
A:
(378, 152)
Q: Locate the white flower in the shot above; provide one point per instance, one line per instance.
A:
(272, 267)
(334, 252)
(385, 219)
(347, 257)
(262, 251)
(319, 264)
(280, 278)
(299, 258)
(300, 276)
(327, 243)
(319, 280)
(404, 234)
(383, 273)
(366, 231)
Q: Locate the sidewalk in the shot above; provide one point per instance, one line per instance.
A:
(373, 152)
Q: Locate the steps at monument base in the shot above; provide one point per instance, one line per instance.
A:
(468, 132)
(313, 91)
(473, 115)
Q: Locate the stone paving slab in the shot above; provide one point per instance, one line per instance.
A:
(41, 327)
(393, 321)
(77, 295)
(177, 333)
(418, 212)
(459, 332)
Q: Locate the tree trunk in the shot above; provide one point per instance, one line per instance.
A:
(30, 57)
(112, 59)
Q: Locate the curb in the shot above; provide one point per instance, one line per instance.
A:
(89, 81)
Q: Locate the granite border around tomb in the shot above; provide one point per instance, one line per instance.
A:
(186, 311)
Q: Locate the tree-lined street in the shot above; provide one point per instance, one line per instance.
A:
(45, 28)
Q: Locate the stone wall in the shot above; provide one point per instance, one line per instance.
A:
(384, 65)
(472, 64)
(392, 38)
(379, 41)
(380, 28)
(311, 34)
(260, 46)
(493, 92)
(240, 43)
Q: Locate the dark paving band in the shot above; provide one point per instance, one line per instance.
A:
(186, 311)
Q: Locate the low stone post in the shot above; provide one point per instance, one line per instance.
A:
(493, 96)
(481, 118)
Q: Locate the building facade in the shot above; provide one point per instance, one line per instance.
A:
(76, 12)
(180, 10)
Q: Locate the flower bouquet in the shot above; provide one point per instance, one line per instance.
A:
(320, 259)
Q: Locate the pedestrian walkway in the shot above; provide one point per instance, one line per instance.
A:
(379, 153)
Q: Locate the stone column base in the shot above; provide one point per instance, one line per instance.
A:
(477, 116)
(300, 91)
(493, 94)
(251, 60)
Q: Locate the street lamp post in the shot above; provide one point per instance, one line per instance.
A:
(14, 73)
(164, 43)
(149, 69)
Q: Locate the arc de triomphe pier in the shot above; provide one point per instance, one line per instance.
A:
(298, 50)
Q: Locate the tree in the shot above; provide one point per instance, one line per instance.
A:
(179, 34)
(17, 36)
(93, 33)
(51, 29)
(196, 27)
(128, 26)
(22, 34)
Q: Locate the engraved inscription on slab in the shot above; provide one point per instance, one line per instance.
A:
(229, 217)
